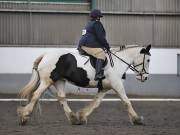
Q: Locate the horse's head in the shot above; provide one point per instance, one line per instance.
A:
(141, 64)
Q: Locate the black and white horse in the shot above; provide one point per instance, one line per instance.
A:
(55, 68)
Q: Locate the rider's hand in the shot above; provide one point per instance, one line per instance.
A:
(108, 49)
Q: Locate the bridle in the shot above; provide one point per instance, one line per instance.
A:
(133, 67)
(143, 71)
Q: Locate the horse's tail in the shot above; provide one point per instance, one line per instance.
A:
(34, 82)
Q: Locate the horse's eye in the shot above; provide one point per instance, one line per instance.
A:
(148, 60)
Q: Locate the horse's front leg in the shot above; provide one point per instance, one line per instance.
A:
(83, 113)
(119, 89)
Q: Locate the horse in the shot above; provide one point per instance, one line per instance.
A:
(58, 67)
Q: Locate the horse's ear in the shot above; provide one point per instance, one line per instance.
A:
(146, 51)
(143, 51)
(148, 47)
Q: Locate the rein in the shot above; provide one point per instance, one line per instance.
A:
(133, 68)
(129, 65)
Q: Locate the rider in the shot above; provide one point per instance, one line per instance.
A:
(93, 41)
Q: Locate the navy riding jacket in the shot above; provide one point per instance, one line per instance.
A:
(94, 35)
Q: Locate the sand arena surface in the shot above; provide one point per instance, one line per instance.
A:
(161, 118)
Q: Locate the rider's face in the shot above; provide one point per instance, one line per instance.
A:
(98, 18)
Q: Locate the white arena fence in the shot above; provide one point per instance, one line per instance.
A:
(106, 99)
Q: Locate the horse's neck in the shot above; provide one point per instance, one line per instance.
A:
(132, 53)
(128, 55)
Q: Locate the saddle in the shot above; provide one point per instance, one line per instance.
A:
(91, 58)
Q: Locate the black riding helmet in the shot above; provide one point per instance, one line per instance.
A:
(96, 13)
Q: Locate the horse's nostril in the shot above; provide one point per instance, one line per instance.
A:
(145, 78)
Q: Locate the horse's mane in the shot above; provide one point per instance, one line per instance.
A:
(123, 47)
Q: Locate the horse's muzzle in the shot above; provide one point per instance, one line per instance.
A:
(141, 77)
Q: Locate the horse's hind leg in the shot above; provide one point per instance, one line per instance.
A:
(63, 101)
(119, 89)
(25, 112)
(87, 110)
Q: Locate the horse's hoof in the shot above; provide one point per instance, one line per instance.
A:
(73, 119)
(82, 118)
(82, 121)
(138, 121)
(22, 119)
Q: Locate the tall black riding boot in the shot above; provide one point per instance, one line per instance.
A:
(99, 71)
